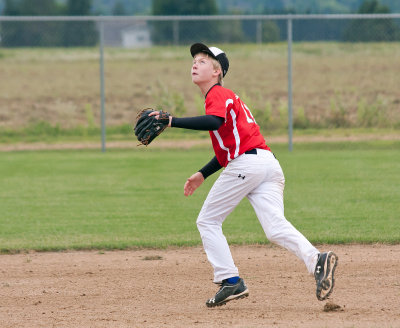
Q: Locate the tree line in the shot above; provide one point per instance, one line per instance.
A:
(47, 34)
(68, 34)
(365, 30)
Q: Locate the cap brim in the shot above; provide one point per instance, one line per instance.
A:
(200, 47)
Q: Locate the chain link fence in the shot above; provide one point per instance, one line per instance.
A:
(78, 74)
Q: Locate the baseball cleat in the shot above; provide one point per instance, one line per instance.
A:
(323, 274)
(228, 292)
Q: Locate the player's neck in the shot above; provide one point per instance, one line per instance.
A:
(206, 86)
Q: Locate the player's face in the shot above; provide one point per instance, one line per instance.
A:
(202, 69)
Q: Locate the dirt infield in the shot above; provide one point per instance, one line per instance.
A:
(168, 288)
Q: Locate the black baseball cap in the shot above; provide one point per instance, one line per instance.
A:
(214, 52)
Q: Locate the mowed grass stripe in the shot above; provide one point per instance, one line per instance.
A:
(54, 200)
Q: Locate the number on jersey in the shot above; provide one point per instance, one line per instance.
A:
(249, 115)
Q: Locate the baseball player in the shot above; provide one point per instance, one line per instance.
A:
(250, 170)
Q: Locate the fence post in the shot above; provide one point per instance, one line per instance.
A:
(102, 100)
(259, 31)
(290, 109)
(176, 32)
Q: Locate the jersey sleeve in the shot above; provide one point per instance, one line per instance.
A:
(205, 122)
(215, 104)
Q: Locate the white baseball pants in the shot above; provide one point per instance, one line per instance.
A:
(260, 179)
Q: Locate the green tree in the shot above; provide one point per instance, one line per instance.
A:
(233, 30)
(270, 32)
(230, 31)
(366, 30)
(11, 8)
(79, 33)
(119, 9)
(31, 34)
(373, 7)
(189, 31)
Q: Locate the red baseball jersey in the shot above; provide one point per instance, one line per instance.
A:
(239, 132)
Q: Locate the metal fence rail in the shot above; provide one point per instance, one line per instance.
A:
(197, 18)
(181, 30)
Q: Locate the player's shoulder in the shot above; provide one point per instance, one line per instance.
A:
(218, 91)
(224, 90)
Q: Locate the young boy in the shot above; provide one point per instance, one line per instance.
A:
(251, 170)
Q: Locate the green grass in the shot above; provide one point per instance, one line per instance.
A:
(54, 200)
(43, 131)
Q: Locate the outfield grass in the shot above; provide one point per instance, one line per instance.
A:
(53, 200)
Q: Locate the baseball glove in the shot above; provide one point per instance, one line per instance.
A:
(147, 128)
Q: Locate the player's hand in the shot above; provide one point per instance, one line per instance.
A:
(156, 114)
(193, 183)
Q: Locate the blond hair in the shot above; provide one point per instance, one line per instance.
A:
(217, 65)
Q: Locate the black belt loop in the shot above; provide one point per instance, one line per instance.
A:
(252, 151)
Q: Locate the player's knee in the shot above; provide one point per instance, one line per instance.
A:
(274, 236)
(201, 223)
(205, 223)
(276, 228)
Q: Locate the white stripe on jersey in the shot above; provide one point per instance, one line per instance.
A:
(227, 103)
(249, 120)
(235, 133)
(216, 134)
(221, 143)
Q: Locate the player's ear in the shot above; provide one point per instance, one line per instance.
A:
(217, 71)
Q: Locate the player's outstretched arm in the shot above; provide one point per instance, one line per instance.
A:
(204, 122)
(193, 183)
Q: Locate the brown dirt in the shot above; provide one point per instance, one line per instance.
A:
(330, 306)
(168, 288)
